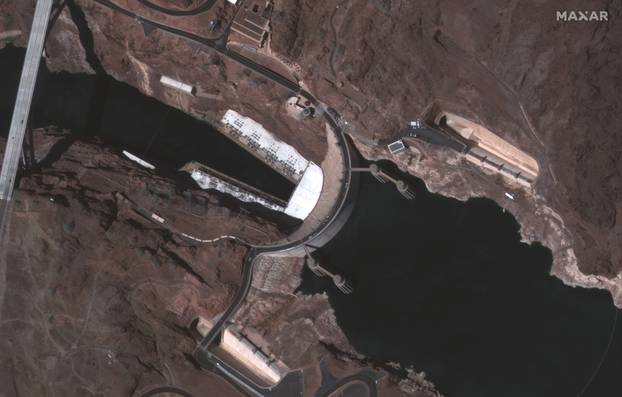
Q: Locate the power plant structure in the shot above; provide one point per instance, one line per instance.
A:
(264, 368)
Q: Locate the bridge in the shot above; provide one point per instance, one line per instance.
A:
(19, 122)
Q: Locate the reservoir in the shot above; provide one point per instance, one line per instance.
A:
(448, 288)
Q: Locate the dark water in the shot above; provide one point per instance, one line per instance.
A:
(449, 288)
(123, 118)
(441, 285)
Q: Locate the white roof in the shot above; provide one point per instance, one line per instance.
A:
(138, 160)
(307, 193)
(178, 85)
(207, 181)
(263, 141)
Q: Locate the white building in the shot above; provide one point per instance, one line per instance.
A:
(178, 85)
(246, 353)
(283, 158)
(260, 142)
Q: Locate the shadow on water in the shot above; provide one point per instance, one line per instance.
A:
(448, 288)
(120, 116)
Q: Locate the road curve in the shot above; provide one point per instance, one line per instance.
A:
(202, 353)
(166, 389)
(358, 377)
(179, 13)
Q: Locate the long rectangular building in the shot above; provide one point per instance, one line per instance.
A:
(252, 136)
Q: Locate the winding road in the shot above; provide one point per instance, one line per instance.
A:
(168, 390)
(361, 378)
(329, 226)
(206, 6)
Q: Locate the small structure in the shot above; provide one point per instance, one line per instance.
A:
(397, 147)
(178, 85)
(403, 187)
(251, 24)
(417, 124)
(300, 108)
(138, 160)
(214, 25)
(319, 271)
(304, 106)
(377, 173)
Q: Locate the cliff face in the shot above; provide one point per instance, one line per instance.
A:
(302, 331)
(547, 87)
(544, 85)
(97, 297)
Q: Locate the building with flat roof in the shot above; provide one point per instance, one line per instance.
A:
(280, 156)
(251, 23)
(244, 354)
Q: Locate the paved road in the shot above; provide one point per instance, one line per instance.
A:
(360, 384)
(430, 134)
(166, 389)
(292, 385)
(206, 6)
(202, 354)
(219, 46)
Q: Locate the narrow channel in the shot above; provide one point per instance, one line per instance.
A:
(447, 287)
(129, 120)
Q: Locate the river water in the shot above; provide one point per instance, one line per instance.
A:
(441, 285)
(123, 118)
(448, 288)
